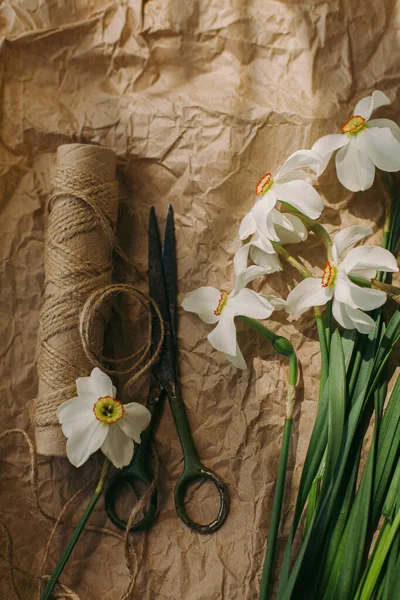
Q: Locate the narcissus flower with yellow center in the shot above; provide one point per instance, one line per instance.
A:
(218, 307)
(96, 419)
(349, 299)
(363, 145)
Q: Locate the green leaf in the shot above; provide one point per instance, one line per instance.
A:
(346, 567)
(377, 560)
(311, 466)
(392, 576)
(337, 407)
(302, 580)
(388, 450)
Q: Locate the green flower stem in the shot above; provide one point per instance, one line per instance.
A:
(390, 227)
(328, 320)
(366, 283)
(389, 202)
(324, 349)
(276, 512)
(282, 346)
(324, 335)
(75, 536)
(291, 260)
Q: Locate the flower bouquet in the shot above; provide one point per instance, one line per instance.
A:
(349, 495)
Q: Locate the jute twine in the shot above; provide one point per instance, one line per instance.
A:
(88, 322)
(134, 556)
(79, 241)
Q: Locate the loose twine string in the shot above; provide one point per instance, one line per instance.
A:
(134, 558)
(73, 277)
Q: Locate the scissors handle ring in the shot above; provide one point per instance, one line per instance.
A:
(183, 483)
(111, 493)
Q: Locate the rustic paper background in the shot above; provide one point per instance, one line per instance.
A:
(198, 99)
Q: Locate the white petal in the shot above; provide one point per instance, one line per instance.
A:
(241, 258)
(298, 174)
(347, 237)
(327, 145)
(355, 296)
(394, 128)
(306, 294)
(355, 170)
(265, 259)
(298, 160)
(118, 447)
(369, 257)
(237, 359)
(362, 322)
(247, 226)
(74, 414)
(352, 318)
(339, 312)
(250, 304)
(223, 336)
(83, 442)
(298, 233)
(248, 275)
(135, 420)
(277, 303)
(302, 196)
(262, 242)
(203, 302)
(269, 231)
(281, 220)
(381, 146)
(94, 387)
(365, 106)
(261, 211)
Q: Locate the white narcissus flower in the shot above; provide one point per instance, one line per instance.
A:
(289, 230)
(95, 419)
(290, 185)
(218, 307)
(349, 300)
(363, 145)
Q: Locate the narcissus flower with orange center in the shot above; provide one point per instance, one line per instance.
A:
(289, 230)
(363, 145)
(96, 419)
(218, 307)
(349, 299)
(291, 185)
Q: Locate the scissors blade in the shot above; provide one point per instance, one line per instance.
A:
(169, 264)
(157, 289)
(164, 367)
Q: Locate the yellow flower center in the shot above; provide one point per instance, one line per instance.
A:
(221, 303)
(354, 124)
(264, 184)
(329, 275)
(108, 410)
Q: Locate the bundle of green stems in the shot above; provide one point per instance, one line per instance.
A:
(347, 511)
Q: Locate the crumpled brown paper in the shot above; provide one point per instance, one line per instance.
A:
(198, 99)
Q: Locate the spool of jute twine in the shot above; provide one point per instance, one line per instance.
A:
(83, 208)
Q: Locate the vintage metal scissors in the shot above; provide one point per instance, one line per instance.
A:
(164, 382)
